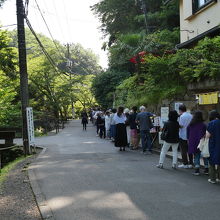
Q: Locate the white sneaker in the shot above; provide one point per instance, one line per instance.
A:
(183, 166)
(190, 166)
(211, 181)
(217, 180)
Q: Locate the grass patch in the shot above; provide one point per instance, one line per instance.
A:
(6, 169)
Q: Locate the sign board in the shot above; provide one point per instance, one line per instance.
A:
(177, 105)
(30, 126)
(157, 121)
(208, 98)
(164, 115)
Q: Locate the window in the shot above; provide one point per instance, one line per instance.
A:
(199, 4)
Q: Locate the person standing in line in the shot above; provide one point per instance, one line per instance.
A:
(97, 113)
(213, 133)
(195, 132)
(84, 120)
(184, 121)
(145, 124)
(133, 129)
(112, 124)
(121, 133)
(127, 114)
(171, 139)
(101, 125)
(107, 124)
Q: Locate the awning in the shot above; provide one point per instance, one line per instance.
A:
(190, 43)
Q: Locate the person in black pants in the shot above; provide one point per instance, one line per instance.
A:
(101, 125)
(184, 121)
(84, 120)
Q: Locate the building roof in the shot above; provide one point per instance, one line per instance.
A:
(190, 43)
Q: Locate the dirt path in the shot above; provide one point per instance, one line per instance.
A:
(17, 201)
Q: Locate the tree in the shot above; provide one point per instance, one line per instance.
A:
(124, 17)
(1, 2)
(9, 106)
(104, 86)
(53, 90)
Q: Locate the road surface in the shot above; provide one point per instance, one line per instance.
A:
(83, 177)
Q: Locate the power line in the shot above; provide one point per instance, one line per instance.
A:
(57, 16)
(67, 19)
(51, 61)
(48, 29)
(7, 25)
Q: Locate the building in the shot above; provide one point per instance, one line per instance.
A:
(198, 18)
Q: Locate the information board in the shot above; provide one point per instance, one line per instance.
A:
(164, 115)
(30, 126)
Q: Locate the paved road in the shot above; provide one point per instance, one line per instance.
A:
(86, 178)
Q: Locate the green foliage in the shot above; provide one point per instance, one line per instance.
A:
(104, 86)
(124, 17)
(202, 62)
(124, 21)
(167, 76)
(9, 107)
(52, 93)
(157, 81)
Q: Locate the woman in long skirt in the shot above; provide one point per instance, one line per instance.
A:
(121, 133)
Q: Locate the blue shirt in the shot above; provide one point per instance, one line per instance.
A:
(144, 120)
(214, 142)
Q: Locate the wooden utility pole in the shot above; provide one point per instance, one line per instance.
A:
(23, 72)
(144, 8)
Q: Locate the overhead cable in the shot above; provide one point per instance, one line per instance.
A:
(51, 61)
(60, 53)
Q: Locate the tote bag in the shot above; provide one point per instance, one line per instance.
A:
(204, 147)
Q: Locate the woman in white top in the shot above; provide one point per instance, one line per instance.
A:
(121, 133)
(107, 124)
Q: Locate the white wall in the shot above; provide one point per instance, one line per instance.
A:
(204, 20)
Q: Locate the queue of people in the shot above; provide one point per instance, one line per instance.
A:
(127, 128)
(187, 131)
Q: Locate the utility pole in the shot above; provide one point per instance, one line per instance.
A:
(144, 8)
(23, 72)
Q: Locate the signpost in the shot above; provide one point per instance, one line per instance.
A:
(30, 126)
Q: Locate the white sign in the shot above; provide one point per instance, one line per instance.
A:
(164, 115)
(157, 121)
(30, 126)
(177, 105)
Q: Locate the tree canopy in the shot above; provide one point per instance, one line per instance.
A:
(53, 89)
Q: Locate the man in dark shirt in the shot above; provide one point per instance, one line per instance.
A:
(134, 140)
(145, 124)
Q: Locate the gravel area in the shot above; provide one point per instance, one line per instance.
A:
(17, 201)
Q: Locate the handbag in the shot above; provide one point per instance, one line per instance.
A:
(164, 134)
(204, 147)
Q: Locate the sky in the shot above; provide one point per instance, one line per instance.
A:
(70, 21)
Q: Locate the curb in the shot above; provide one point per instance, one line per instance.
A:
(45, 211)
